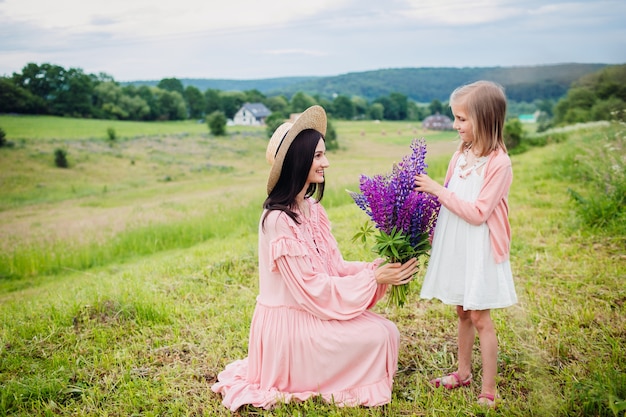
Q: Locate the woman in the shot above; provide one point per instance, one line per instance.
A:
(312, 333)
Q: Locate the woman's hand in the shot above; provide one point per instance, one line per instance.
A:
(396, 273)
(426, 184)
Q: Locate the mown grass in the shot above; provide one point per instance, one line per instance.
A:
(146, 328)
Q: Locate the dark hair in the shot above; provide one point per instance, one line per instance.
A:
(294, 174)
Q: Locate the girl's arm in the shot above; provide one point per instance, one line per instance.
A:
(498, 179)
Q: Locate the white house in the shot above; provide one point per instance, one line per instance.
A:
(251, 114)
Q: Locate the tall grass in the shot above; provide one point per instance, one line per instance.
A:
(56, 256)
(597, 170)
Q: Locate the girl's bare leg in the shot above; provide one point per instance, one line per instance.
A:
(481, 319)
(466, 337)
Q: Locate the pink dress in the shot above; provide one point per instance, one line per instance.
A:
(311, 332)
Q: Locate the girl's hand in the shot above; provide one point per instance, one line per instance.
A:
(426, 184)
(396, 273)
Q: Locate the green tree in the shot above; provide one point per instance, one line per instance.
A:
(343, 107)
(65, 92)
(416, 112)
(217, 123)
(171, 84)
(171, 105)
(106, 97)
(609, 109)
(73, 96)
(213, 100)
(545, 106)
(114, 102)
(301, 101)
(195, 101)
(400, 104)
(596, 96)
(376, 111)
(254, 96)
(16, 99)
(232, 102)
(395, 106)
(42, 81)
(435, 107)
(136, 107)
(277, 104)
(145, 99)
(360, 107)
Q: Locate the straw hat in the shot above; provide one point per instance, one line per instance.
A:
(312, 118)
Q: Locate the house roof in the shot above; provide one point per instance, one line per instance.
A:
(257, 109)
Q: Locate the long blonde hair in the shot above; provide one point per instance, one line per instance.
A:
(485, 103)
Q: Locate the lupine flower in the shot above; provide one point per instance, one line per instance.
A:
(405, 218)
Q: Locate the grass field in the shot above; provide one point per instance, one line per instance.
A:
(128, 280)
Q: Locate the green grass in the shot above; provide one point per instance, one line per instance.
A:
(129, 300)
(66, 128)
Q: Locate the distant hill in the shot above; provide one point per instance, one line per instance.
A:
(522, 83)
(265, 85)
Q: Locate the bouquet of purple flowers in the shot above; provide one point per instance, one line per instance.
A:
(404, 218)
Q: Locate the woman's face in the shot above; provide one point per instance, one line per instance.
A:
(462, 123)
(320, 162)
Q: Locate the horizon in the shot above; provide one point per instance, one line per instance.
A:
(374, 70)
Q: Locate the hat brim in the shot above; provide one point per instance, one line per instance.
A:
(312, 118)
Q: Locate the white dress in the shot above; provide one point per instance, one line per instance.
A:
(461, 269)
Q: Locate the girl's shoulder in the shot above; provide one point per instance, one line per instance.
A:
(499, 157)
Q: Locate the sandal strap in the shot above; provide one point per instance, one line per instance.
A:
(456, 376)
(459, 381)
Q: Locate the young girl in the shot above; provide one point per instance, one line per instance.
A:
(312, 333)
(469, 264)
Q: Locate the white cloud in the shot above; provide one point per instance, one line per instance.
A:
(460, 13)
(152, 39)
(159, 17)
(307, 52)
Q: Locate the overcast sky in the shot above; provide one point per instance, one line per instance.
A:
(253, 39)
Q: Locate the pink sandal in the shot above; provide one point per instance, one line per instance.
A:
(488, 400)
(444, 381)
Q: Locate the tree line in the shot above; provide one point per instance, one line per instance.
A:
(54, 90)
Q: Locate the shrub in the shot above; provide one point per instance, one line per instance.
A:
(3, 138)
(60, 158)
(217, 123)
(111, 134)
(272, 122)
(513, 133)
(331, 137)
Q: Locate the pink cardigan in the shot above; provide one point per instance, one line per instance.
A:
(491, 206)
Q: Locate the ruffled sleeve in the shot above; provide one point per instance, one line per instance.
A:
(328, 296)
(343, 267)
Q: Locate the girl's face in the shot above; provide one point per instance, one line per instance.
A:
(462, 123)
(320, 162)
